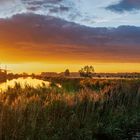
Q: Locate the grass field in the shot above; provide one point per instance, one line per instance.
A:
(82, 109)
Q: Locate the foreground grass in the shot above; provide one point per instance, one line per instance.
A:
(99, 110)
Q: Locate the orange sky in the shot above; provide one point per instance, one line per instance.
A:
(33, 62)
(46, 67)
(34, 43)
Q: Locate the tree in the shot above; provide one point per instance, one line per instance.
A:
(67, 72)
(86, 71)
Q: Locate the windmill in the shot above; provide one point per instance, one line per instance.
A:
(3, 70)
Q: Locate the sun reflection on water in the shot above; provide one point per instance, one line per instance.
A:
(23, 81)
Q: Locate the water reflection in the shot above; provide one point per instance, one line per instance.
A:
(23, 81)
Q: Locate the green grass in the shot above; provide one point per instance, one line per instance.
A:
(99, 109)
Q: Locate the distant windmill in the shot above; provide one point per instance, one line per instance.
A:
(4, 70)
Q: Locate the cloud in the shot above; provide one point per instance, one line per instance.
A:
(69, 10)
(8, 8)
(125, 5)
(90, 13)
(47, 6)
(48, 37)
(63, 9)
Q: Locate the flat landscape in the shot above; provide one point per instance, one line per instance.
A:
(69, 69)
(79, 109)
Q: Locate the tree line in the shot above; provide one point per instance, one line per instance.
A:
(86, 71)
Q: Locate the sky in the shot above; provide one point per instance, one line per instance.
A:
(52, 35)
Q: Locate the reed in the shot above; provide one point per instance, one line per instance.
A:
(50, 113)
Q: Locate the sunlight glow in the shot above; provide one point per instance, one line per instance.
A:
(99, 67)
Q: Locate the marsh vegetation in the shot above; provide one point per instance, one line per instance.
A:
(96, 110)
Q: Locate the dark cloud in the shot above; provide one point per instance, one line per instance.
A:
(50, 5)
(43, 34)
(125, 5)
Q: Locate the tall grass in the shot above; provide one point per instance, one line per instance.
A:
(53, 114)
